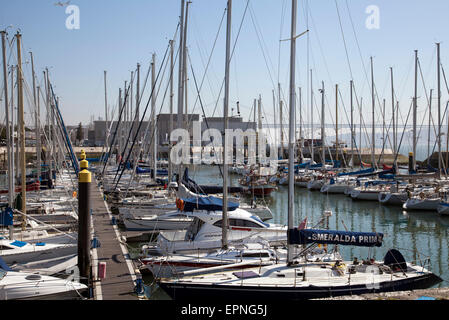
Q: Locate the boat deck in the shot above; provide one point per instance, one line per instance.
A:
(121, 273)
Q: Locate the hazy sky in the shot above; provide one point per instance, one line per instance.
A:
(116, 35)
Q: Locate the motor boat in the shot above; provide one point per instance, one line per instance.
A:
(205, 232)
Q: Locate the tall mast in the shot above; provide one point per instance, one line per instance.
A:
(50, 145)
(383, 127)
(292, 130)
(352, 124)
(153, 112)
(8, 133)
(179, 119)
(184, 64)
(259, 121)
(36, 117)
(38, 136)
(119, 125)
(394, 121)
(360, 125)
(136, 115)
(14, 149)
(225, 118)
(430, 123)
(274, 118)
(439, 109)
(21, 121)
(415, 109)
(336, 122)
(301, 136)
(311, 115)
(323, 132)
(373, 136)
(106, 111)
(170, 167)
(280, 121)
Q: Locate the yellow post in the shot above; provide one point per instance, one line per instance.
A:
(84, 205)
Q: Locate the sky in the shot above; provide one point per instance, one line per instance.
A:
(115, 35)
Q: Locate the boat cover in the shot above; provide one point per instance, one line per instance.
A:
(208, 204)
(356, 173)
(359, 239)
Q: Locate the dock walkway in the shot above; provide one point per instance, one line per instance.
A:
(121, 273)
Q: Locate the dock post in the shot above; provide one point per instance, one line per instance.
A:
(84, 227)
(411, 167)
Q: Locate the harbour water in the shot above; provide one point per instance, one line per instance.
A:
(417, 235)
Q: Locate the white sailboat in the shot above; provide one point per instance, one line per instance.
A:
(28, 286)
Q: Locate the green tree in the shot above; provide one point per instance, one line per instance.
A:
(79, 133)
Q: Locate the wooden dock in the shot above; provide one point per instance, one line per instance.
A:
(121, 274)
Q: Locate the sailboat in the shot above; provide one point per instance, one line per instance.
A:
(28, 286)
(296, 280)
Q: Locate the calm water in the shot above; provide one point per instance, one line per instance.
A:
(416, 234)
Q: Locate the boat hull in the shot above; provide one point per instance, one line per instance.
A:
(365, 195)
(185, 291)
(393, 199)
(443, 208)
(425, 205)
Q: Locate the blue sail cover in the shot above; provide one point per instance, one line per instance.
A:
(6, 217)
(359, 239)
(143, 170)
(207, 203)
(356, 173)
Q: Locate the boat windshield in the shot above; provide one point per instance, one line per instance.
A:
(260, 221)
(2, 274)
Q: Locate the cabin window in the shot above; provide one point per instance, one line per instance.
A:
(255, 255)
(260, 221)
(193, 229)
(238, 223)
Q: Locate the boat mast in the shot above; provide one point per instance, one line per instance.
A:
(225, 118)
(301, 136)
(292, 130)
(336, 122)
(280, 121)
(153, 112)
(36, 119)
(259, 119)
(394, 121)
(415, 108)
(170, 167)
(352, 124)
(311, 115)
(439, 109)
(106, 111)
(179, 119)
(49, 143)
(21, 126)
(8, 134)
(274, 117)
(430, 123)
(137, 114)
(373, 137)
(323, 132)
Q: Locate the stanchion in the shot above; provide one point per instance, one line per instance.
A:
(84, 208)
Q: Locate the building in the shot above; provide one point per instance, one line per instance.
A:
(163, 126)
(233, 124)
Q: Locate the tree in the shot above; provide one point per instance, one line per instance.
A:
(79, 133)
